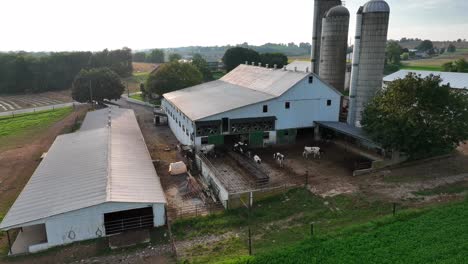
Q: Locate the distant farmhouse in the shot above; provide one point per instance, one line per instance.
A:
(255, 104)
(92, 183)
(457, 80)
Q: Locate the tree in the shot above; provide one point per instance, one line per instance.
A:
(451, 48)
(405, 56)
(461, 65)
(459, 40)
(99, 83)
(139, 57)
(274, 58)
(418, 116)
(173, 76)
(426, 45)
(175, 57)
(442, 51)
(393, 52)
(448, 67)
(201, 64)
(155, 56)
(238, 55)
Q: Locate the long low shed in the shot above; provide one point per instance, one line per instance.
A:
(95, 182)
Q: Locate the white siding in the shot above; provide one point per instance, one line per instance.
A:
(308, 103)
(86, 222)
(185, 123)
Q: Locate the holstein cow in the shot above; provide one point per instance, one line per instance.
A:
(311, 150)
(279, 158)
(257, 159)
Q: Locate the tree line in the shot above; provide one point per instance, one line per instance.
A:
(25, 72)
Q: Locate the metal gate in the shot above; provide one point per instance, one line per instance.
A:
(121, 221)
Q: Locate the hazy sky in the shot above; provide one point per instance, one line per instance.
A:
(53, 25)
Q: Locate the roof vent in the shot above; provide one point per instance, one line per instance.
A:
(275, 66)
(246, 63)
(295, 69)
(253, 63)
(284, 68)
(259, 64)
(267, 65)
(307, 69)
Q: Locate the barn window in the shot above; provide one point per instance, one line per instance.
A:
(265, 108)
(266, 135)
(286, 133)
(204, 140)
(328, 102)
(311, 79)
(287, 105)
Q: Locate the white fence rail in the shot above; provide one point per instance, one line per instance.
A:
(37, 109)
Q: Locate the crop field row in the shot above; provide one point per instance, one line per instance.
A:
(17, 102)
(437, 235)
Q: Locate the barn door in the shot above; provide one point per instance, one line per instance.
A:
(118, 222)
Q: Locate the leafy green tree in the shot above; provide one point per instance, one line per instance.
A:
(425, 45)
(418, 116)
(155, 56)
(461, 65)
(274, 58)
(393, 52)
(173, 76)
(175, 57)
(448, 67)
(99, 83)
(201, 64)
(451, 48)
(238, 55)
(139, 57)
(405, 56)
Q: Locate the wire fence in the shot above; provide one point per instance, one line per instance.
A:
(36, 109)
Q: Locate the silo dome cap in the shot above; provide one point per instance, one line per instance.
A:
(376, 6)
(337, 11)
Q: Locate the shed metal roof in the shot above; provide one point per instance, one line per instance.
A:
(456, 79)
(245, 85)
(301, 66)
(345, 128)
(98, 164)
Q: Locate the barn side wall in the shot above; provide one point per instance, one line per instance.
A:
(86, 222)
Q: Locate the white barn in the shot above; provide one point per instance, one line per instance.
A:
(251, 103)
(95, 182)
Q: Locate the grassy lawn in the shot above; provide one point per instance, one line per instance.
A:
(422, 68)
(23, 123)
(218, 74)
(457, 187)
(438, 235)
(276, 223)
(137, 97)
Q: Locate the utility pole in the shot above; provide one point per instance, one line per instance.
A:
(128, 91)
(91, 94)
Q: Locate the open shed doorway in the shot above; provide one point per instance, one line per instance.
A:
(118, 222)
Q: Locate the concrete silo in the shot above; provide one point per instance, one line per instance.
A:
(334, 45)
(368, 57)
(321, 8)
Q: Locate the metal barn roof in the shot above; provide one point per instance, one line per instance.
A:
(456, 79)
(301, 66)
(95, 165)
(245, 85)
(347, 129)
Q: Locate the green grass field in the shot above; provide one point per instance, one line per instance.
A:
(137, 97)
(275, 223)
(422, 68)
(438, 235)
(23, 123)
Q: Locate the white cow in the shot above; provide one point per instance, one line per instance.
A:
(257, 159)
(311, 150)
(207, 149)
(279, 158)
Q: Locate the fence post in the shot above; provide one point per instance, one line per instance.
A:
(307, 178)
(311, 229)
(394, 209)
(250, 242)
